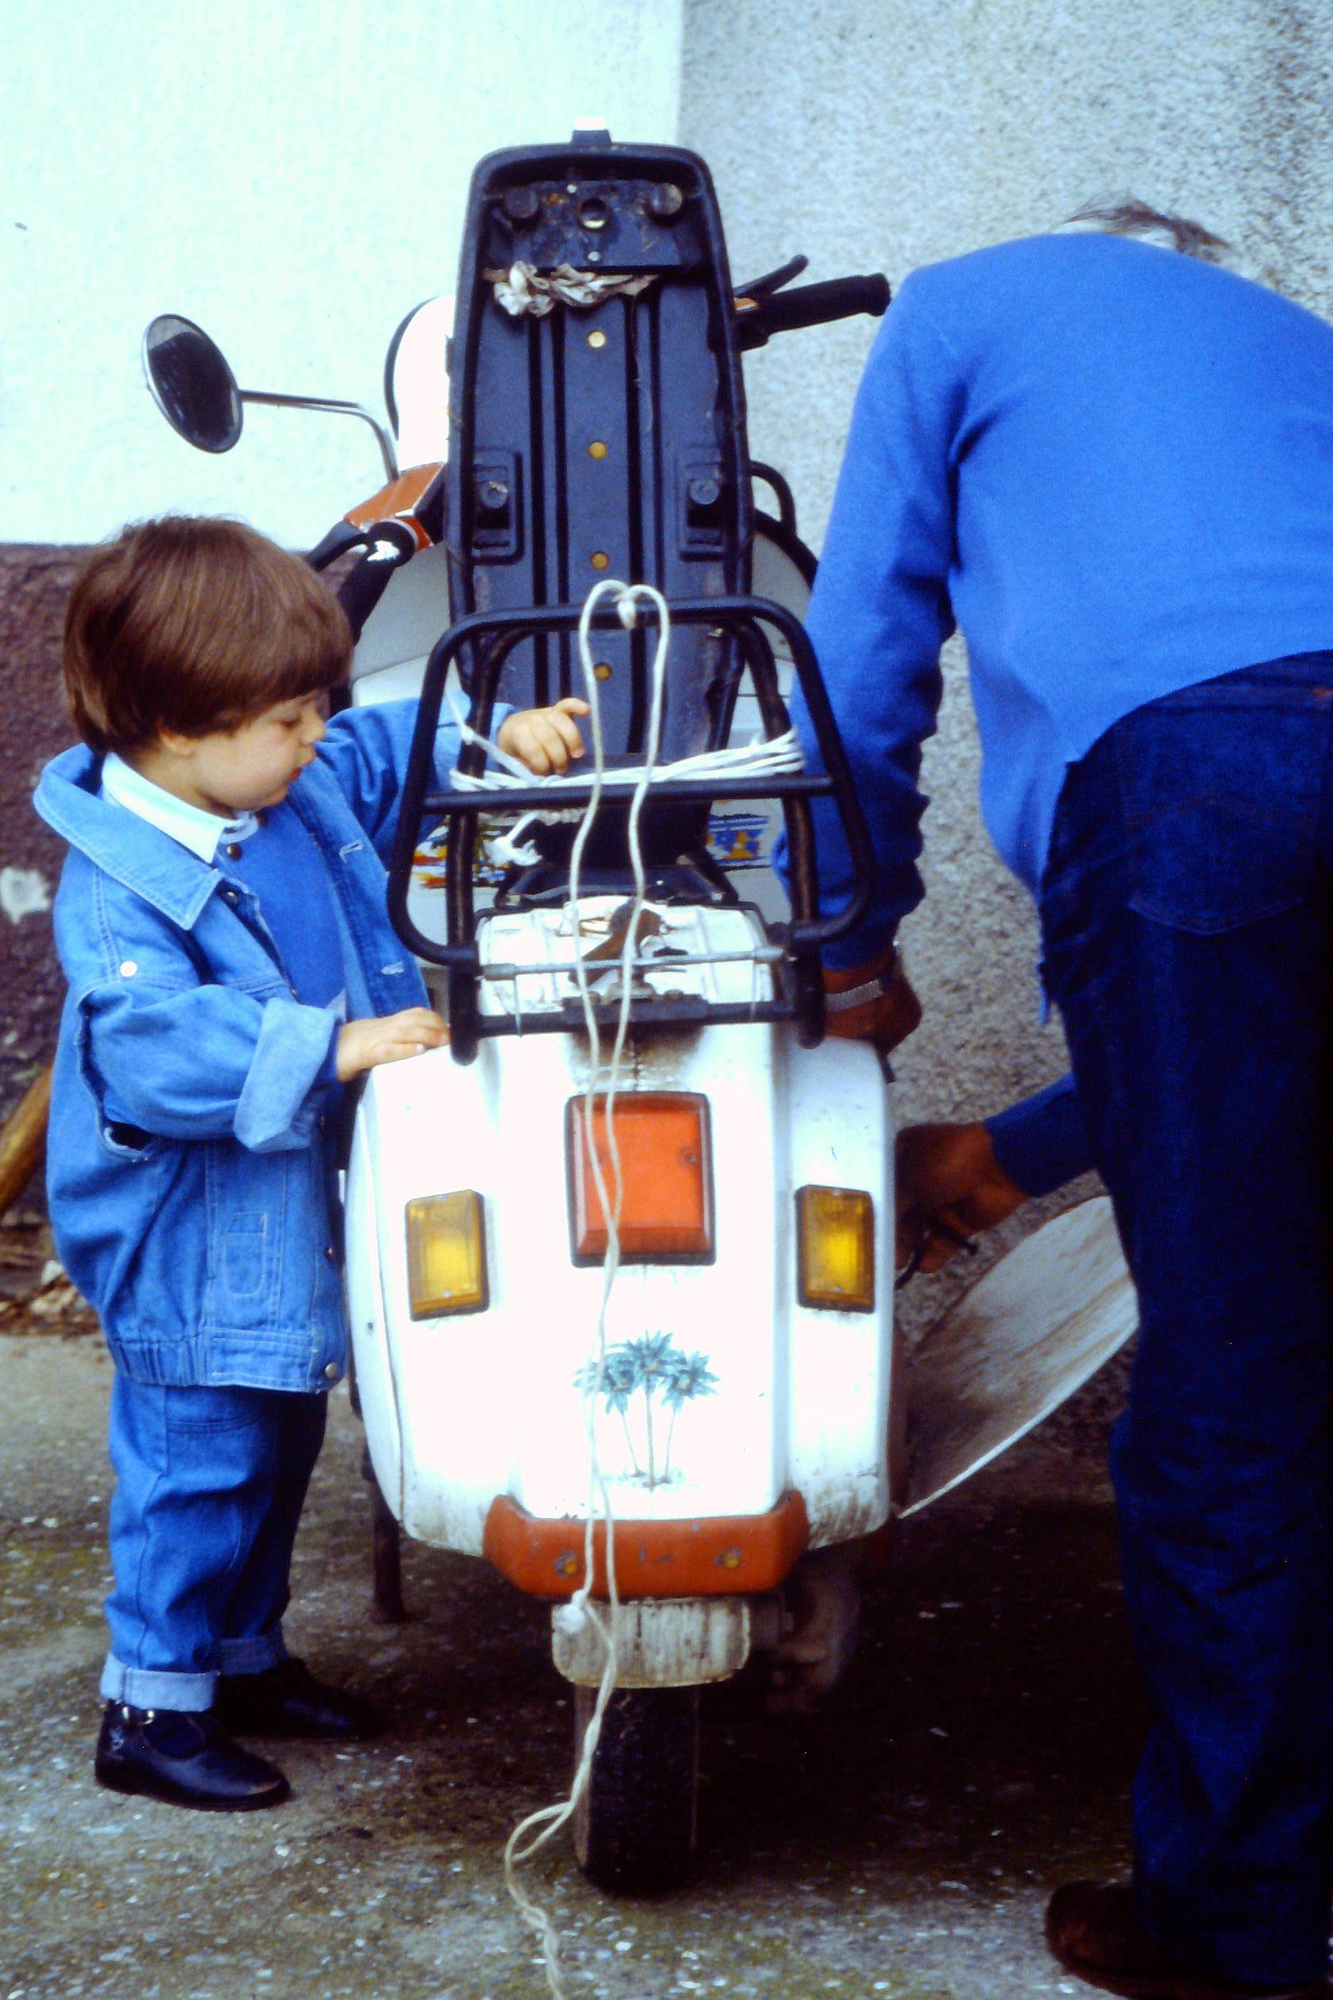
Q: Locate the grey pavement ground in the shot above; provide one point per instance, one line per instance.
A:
(902, 1845)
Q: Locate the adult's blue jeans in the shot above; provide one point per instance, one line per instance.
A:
(210, 1483)
(1187, 916)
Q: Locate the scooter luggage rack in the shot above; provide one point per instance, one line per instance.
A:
(798, 996)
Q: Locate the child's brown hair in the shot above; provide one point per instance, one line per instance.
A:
(194, 625)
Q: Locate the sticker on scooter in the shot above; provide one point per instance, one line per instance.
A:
(741, 840)
(642, 1382)
(431, 861)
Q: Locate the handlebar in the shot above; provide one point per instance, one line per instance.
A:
(362, 588)
(812, 305)
(341, 539)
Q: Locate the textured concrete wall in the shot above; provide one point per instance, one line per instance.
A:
(34, 584)
(33, 726)
(882, 134)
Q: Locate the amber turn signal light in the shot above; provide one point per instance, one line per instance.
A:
(666, 1178)
(835, 1248)
(446, 1255)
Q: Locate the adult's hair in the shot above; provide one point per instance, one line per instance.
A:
(1131, 217)
(194, 625)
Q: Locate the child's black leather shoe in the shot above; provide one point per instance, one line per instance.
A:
(183, 1758)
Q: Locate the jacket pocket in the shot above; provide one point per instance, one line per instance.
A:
(245, 1256)
(246, 1202)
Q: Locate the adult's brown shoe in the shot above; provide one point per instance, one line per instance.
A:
(1091, 1928)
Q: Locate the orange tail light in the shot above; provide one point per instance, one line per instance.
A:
(665, 1184)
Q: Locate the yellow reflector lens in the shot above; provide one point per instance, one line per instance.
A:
(835, 1248)
(446, 1255)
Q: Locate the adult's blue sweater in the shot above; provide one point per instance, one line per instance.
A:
(1111, 467)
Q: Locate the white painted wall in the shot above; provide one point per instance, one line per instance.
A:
(288, 173)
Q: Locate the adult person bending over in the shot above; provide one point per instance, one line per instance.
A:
(1112, 467)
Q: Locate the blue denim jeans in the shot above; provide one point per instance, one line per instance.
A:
(1187, 917)
(210, 1486)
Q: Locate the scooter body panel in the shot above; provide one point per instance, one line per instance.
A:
(463, 1408)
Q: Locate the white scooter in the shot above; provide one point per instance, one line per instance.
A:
(623, 1253)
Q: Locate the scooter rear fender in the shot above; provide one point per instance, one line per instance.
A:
(777, 1398)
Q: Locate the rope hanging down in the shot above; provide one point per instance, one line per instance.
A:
(534, 1831)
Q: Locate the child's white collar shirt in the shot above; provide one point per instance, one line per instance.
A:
(202, 832)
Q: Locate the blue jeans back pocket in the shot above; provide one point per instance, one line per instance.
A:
(1221, 787)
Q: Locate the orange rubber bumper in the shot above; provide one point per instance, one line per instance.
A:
(736, 1555)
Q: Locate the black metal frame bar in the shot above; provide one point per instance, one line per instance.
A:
(744, 617)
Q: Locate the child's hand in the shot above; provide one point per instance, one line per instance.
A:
(544, 738)
(387, 1038)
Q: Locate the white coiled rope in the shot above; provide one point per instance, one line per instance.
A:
(763, 758)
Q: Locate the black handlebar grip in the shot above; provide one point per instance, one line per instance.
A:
(361, 589)
(341, 538)
(814, 305)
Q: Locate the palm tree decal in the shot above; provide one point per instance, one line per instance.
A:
(666, 1377)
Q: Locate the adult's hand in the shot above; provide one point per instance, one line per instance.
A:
(885, 1013)
(949, 1185)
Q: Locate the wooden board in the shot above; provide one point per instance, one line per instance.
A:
(1010, 1351)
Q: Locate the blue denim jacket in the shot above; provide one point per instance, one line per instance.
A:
(207, 1238)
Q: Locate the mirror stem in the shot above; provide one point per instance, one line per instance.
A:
(386, 443)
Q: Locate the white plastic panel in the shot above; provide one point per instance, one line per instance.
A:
(490, 1402)
(838, 1132)
(710, 954)
(370, 1342)
(679, 1642)
(409, 618)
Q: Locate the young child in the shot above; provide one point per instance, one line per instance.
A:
(221, 922)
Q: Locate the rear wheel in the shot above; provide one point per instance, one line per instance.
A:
(635, 1825)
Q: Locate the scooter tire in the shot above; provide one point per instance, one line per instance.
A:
(634, 1828)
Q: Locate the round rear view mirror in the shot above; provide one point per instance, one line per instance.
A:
(191, 383)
